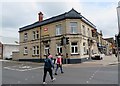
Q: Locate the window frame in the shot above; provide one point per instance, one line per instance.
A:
(25, 51)
(58, 29)
(34, 35)
(59, 48)
(25, 36)
(37, 34)
(46, 49)
(34, 50)
(74, 48)
(84, 29)
(73, 28)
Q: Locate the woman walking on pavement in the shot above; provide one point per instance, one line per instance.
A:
(48, 65)
(58, 63)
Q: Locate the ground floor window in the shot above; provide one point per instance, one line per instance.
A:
(25, 50)
(74, 48)
(84, 48)
(46, 49)
(35, 50)
(59, 48)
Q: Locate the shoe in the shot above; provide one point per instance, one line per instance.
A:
(53, 79)
(44, 83)
(55, 73)
(62, 72)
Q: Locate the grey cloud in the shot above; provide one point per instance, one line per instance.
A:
(17, 14)
(52, 8)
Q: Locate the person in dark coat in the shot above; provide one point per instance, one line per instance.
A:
(48, 65)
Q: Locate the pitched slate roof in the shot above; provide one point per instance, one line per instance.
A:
(72, 14)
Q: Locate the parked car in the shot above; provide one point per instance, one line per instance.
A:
(97, 56)
(8, 57)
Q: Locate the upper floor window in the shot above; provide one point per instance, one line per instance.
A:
(73, 27)
(35, 35)
(25, 50)
(83, 27)
(58, 29)
(25, 36)
(88, 32)
(74, 48)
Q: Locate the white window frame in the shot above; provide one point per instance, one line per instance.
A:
(88, 32)
(84, 29)
(46, 49)
(58, 48)
(73, 28)
(84, 48)
(25, 36)
(74, 47)
(34, 35)
(34, 50)
(25, 50)
(37, 50)
(58, 29)
(37, 34)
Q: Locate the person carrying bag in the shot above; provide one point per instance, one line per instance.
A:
(58, 63)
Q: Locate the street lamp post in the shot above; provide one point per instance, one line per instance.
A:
(117, 39)
(117, 47)
(118, 15)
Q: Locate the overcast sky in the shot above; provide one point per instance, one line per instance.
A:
(16, 14)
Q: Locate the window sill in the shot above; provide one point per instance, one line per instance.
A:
(58, 35)
(25, 54)
(35, 55)
(73, 54)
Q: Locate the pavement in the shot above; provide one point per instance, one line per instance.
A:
(107, 60)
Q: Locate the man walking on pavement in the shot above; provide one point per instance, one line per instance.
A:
(48, 68)
(58, 63)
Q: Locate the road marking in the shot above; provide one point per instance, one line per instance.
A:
(91, 77)
(87, 81)
(26, 79)
(19, 82)
(23, 69)
(32, 76)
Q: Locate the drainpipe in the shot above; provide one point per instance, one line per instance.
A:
(40, 45)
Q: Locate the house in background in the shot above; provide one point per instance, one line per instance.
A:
(111, 44)
(7, 46)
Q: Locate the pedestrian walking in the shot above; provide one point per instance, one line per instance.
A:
(48, 65)
(51, 57)
(116, 53)
(58, 63)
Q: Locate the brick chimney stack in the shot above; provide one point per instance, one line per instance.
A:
(40, 16)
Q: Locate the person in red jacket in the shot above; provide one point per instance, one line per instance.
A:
(58, 63)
